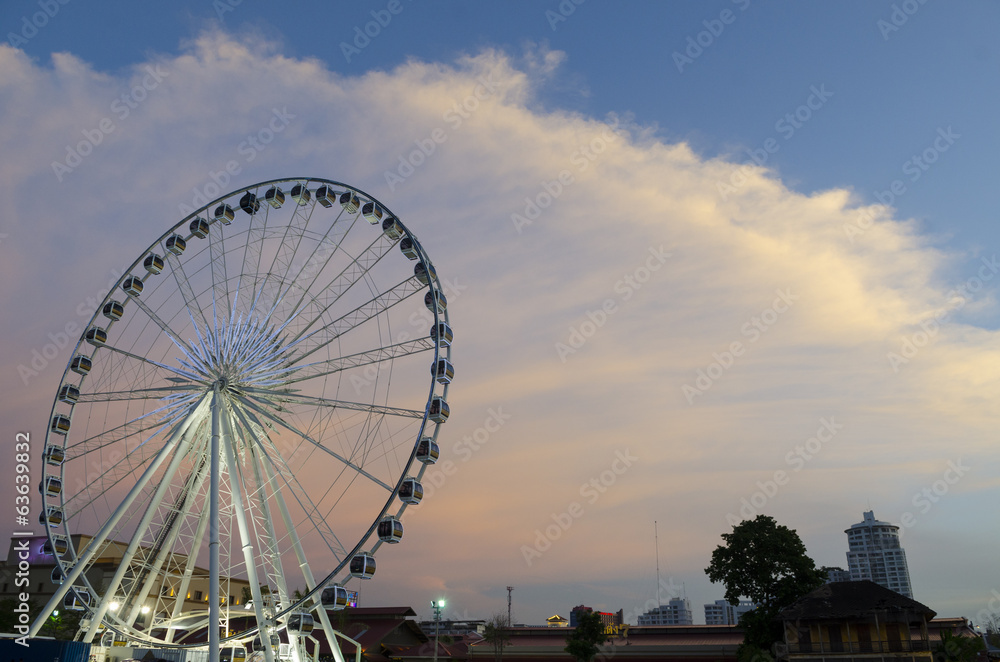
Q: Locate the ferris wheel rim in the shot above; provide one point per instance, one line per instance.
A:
(309, 598)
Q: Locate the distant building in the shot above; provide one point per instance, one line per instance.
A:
(836, 574)
(675, 612)
(556, 621)
(610, 621)
(874, 554)
(721, 612)
(453, 628)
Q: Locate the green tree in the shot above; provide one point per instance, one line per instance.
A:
(767, 563)
(583, 643)
(957, 648)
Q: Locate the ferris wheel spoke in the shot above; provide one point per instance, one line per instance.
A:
(325, 335)
(156, 393)
(132, 427)
(278, 421)
(187, 292)
(275, 464)
(269, 297)
(186, 375)
(170, 333)
(246, 288)
(358, 360)
(220, 282)
(268, 397)
(354, 272)
(325, 251)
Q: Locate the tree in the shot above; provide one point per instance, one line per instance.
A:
(958, 648)
(768, 564)
(583, 642)
(497, 634)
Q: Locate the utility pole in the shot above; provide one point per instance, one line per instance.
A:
(509, 622)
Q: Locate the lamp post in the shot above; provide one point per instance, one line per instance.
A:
(437, 605)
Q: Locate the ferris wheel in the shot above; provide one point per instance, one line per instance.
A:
(245, 419)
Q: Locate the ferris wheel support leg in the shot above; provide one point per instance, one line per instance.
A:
(300, 555)
(147, 518)
(199, 536)
(99, 538)
(248, 555)
(194, 485)
(271, 540)
(213, 536)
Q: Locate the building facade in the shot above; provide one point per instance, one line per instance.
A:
(721, 612)
(874, 554)
(675, 612)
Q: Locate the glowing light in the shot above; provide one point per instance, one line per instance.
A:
(113, 606)
(145, 609)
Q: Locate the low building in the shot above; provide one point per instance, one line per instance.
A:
(860, 620)
(694, 643)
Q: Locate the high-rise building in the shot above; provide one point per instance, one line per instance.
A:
(675, 612)
(836, 575)
(874, 554)
(722, 613)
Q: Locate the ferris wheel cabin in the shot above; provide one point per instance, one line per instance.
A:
(408, 249)
(326, 196)
(224, 214)
(275, 197)
(439, 410)
(390, 529)
(363, 566)
(301, 195)
(334, 597)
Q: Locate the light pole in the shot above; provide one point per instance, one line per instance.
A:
(437, 605)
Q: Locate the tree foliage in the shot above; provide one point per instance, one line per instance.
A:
(957, 648)
(497, 634)
(767, 563)
(583, 643)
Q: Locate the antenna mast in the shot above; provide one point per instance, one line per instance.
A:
(509, 589)
(656, 542)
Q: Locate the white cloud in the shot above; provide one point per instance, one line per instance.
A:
(826, 355)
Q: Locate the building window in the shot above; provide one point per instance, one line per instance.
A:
(197, 595)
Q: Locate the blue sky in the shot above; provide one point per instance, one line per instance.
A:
(836, 106)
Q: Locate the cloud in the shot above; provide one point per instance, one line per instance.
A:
(542, 216)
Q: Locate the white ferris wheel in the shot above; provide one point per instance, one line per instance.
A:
(252, 405)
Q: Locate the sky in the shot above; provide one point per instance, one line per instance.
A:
(708, 259)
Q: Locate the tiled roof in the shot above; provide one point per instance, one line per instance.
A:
(844, 600)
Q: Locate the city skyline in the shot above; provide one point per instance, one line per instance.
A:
(702, 261)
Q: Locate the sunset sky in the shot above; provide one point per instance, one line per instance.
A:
(703, 260)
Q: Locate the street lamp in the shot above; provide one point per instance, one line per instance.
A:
(437, 605)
